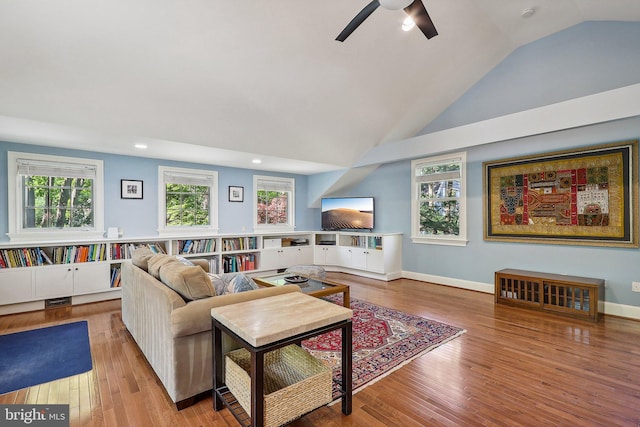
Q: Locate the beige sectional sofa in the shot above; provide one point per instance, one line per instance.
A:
(166, 306)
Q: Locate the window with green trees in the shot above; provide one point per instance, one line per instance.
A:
(188, 198)
(55, 196)
(439, 198)
(57, 202)
(274, 202)
(187, 204)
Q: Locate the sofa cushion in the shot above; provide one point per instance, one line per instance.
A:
(157, 261)
(229, 283)
(191, 282)
(140, 257)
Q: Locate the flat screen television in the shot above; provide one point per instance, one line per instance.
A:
(347, 213)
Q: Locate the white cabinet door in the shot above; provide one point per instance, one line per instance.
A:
(375, 260)
(90, 277)
(71, 279)
(272, 259)
(352, 257)
(359, 258)
(54, 281)
(325, 255)
(298, 255)
(16, 285)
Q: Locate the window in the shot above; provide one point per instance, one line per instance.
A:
(275, 202)
(188, 200)
(438, 213)
(54, 197)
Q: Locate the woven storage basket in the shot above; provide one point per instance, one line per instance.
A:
(295, 383)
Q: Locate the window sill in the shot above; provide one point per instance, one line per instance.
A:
(446, 241)
(273, 228)
(55, 236)
(187, 232)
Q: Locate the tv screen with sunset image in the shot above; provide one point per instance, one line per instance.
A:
(347, 213)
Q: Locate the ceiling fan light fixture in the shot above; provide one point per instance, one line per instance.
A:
(408, 24)
(395, 4)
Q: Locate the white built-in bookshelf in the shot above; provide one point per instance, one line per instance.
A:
(32, 274)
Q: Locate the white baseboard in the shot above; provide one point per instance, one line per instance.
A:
(448, 281)
(371, 275)
(21, 307)
(620, 310)
(611, 308)
(100, 296)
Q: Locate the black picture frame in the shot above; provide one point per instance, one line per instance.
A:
(236, 193)
(131, 189)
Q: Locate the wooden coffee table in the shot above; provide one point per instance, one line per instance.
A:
(266, 324)
(312, 286)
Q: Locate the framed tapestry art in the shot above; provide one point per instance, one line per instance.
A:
(581, 197)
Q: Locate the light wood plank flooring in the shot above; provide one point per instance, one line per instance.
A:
(511, 368)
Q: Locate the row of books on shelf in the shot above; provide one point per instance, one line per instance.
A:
(374, 242)
(196, 246)
(214, 265)
(360, 241)
(240, 262)
(125, 250)
(240, 243)
(115, 277)
(31, 257)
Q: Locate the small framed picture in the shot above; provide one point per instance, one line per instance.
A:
(130, 189)
(236, 194)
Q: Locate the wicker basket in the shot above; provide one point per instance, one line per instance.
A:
(295, 383)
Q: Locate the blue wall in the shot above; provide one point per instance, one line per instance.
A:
(139, 218)
(582, 60)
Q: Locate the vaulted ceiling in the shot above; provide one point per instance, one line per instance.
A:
(224, 82)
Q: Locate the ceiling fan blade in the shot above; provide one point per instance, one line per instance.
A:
(418, 13)
(359, 19)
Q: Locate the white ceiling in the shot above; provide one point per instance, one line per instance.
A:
(226, 81)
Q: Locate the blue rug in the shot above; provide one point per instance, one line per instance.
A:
(41, 355)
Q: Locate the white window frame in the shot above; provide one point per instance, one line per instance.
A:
(416, 237)
(16, 200)
(197, 174)
(289, 183)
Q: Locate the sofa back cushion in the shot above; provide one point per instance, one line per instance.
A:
(191, 282)
(141, 256)
(157, 261)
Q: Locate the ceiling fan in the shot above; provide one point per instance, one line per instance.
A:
(414, 9)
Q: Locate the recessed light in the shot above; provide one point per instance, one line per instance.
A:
(140, 146)
(528, 12)
(256, 161)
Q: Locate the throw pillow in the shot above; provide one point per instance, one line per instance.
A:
(140, 257)
(231, 283)
(157, 261)
(191, 282)
(184, 261)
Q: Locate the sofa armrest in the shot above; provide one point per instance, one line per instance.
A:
(195, 317)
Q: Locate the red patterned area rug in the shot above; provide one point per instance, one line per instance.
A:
(383, 341)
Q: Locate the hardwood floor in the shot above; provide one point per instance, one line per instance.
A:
(512, 368)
